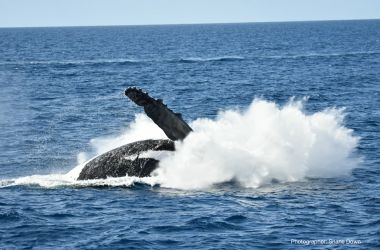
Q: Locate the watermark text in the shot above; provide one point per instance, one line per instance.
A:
(326, 242)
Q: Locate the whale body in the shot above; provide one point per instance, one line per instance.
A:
(126, 160)
(139, 158)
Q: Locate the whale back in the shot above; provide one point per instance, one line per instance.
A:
(126, 160)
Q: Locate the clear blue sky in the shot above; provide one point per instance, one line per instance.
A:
(27, 13)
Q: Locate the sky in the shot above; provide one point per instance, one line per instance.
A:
(37, 13)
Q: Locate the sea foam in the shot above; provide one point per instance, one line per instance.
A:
(265, 142)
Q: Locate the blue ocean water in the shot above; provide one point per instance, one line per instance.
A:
(63, 87)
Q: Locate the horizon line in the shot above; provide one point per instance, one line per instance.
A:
(200, 23)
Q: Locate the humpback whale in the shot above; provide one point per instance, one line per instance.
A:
(134, 159)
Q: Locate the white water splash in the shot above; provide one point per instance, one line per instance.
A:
(252, 147)
(262, 143)
(142, 128)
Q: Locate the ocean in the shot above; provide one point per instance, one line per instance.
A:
(284, 154)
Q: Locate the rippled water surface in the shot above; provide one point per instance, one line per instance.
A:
(61, 88)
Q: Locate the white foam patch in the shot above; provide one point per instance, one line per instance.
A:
(57, 180)
(157, 155)
(262, 143)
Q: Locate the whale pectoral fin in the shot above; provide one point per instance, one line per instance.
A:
(171, 123)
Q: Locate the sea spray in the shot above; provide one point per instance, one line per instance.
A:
(142, 128)
(265, 142)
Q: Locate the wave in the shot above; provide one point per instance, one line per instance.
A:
(250, 147)
(75, 62)
(124, 61)
(121, 61)
(210, 59)
(311, 55)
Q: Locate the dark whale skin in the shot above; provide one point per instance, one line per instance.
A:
(171, 123)
(114, 163)
(125, 160)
